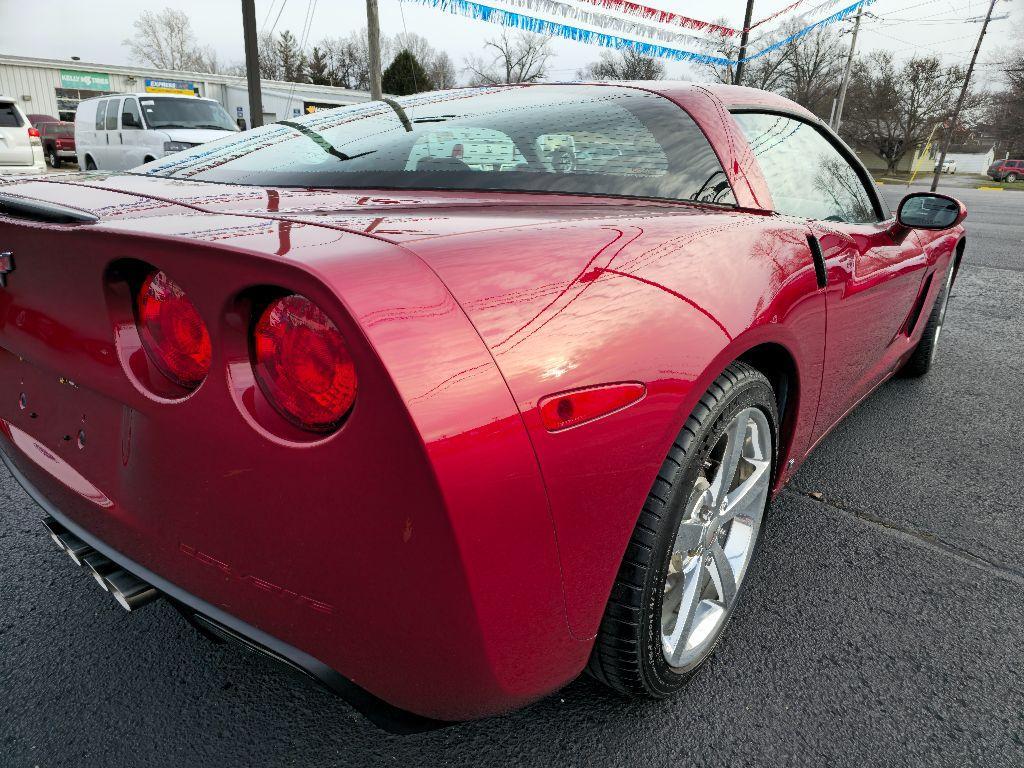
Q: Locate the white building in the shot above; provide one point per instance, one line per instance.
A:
(54, 87)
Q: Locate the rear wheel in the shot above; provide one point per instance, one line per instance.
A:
(691, 550)
(53, 159)
(1011, 177)
(920, 362)
(90, 164)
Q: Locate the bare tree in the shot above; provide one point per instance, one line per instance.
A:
(893, 109)
(519, 58)
(442, 71)
(165, 39)
(813, 69)
(625, 64)
(767, 72)
(269, 56)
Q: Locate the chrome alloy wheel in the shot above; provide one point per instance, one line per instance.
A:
(715, 540)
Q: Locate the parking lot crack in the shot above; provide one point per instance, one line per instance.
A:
(918, 536)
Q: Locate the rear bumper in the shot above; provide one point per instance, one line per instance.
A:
(229, 627)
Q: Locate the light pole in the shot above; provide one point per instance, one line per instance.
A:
(373, 44)
(743, 41)
(960, 101)
(838, 115)
(252, 64)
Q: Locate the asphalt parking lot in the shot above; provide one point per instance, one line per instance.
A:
(883, 624)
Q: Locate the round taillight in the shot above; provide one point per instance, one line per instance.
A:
(173, 334)
(302, 364)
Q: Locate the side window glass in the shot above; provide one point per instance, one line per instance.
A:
(806, 174)
(101, 114)
(131, 117)
(112, 109)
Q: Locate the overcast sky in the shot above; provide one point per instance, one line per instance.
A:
(94, 31)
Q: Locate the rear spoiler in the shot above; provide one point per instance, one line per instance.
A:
(41, 210)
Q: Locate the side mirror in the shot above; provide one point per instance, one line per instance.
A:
(927, 210)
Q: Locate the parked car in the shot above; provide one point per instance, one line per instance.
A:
(1006, 170)
(445, 438)
(58, 143)
(38, 121)
(20, 148)
(948, 166)
(114, 133)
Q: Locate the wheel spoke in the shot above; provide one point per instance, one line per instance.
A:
(747, 498)
(725, 580)
(695, 580)
(735, 437)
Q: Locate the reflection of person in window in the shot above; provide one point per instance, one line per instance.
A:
(458, 152)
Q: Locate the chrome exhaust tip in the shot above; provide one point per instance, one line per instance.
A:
(55, 530)
(100, 566)
(130, 592)
(73, 546)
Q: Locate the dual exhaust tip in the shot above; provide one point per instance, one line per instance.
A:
(130, 592)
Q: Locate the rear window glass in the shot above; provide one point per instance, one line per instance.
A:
(101, 114)
(577, 139)
(9, 117)
(58, 129)
(112, 110)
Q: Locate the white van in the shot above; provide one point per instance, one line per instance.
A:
(20, 148)
(114, 133)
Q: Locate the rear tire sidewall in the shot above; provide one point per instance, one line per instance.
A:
(90, 164)
(53, 159)
(661, 678)
(1011, 177)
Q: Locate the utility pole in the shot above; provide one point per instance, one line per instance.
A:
(743, 41)
(960, 101)
(373, 32)
(838, 118)
(252, 63)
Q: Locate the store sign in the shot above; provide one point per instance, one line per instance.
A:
(84, 81)
(180, 87)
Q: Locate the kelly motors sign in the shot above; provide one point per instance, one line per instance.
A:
(84, 81)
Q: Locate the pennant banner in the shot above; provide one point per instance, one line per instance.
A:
(621, 27)
(479, 11)
(664, 17)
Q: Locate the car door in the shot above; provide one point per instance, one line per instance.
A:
(114, 144)
(133, 134)
(873, 281)
(99, 145)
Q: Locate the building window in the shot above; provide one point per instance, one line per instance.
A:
(68, 98)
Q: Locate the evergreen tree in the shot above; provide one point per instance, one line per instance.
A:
(293, 60)
(405, 75)
(319, 67)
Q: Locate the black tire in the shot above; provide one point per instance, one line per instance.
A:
(1011, 177)
(90, 164)
(627, 654)
(53, 159)
(920, 362)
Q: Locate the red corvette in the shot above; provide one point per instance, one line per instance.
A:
(444, 400)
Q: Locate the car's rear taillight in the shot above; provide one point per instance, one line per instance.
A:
(303, 364)
(33, 133)
(172, 332)
(59, 144)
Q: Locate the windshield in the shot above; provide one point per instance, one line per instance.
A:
(606, 140)
(186, 113)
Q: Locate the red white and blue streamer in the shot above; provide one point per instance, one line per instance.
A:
(610, 39)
